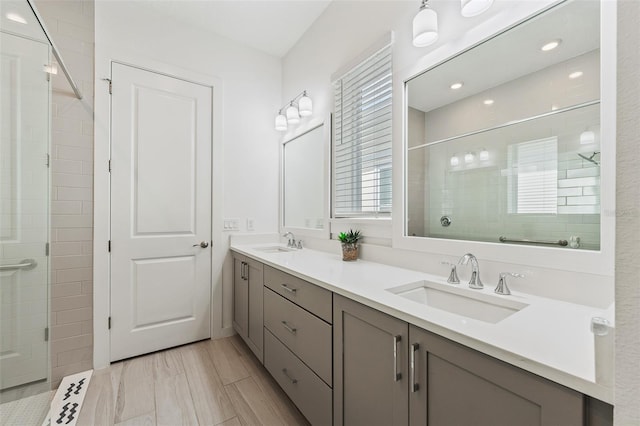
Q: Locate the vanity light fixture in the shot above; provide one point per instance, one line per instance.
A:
(425, 26)
(469, 157)
(587, 137)
(469, 8)
(576, 74)
(454, 161)
(16, 18)
(300, 106)
(488, 102)
(484, 155)
(551, 45)
(456, 86)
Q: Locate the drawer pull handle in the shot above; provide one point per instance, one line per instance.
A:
(293, 381)
(396, 374)
(414, 384)
(289, 289)
(289, 328)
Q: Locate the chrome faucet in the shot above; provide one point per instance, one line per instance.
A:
(292, 239)
(474, 282)
(502, 287)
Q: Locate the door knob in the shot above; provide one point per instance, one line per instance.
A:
(203, 244)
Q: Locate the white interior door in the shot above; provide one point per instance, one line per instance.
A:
(160, 212)
(24, 198)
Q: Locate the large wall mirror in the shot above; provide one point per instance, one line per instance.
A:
(504, 142)
(304, 195)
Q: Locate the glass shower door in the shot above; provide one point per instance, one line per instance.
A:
(24, 216)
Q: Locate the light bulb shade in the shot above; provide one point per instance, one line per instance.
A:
(471, 8)
(281, 123)
(305, 106)
(484, 155)
(469, 157)
(425, 27)
(454, 161)
(292, 115)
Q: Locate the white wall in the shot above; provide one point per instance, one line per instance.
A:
(251, 92)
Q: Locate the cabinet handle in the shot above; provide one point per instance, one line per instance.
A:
(246, 271)
(396, 374)
(414, 384)
(293, 381)
(289, 328)
(242, 270)
(289, 289)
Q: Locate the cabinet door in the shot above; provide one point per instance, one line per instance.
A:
(240, 298)
(256, 290)
(370, 366)
(454, 385)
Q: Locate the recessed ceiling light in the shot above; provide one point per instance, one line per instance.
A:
(488, 102)
(456, 86)
(16, 18)
(575, 74)
(551, 45)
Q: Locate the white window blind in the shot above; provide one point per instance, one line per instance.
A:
(534, 177)
(362, 139)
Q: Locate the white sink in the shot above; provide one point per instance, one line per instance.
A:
(274, 249)
(460, 301)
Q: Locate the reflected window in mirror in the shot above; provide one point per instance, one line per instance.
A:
(515, 151)
(303, 177)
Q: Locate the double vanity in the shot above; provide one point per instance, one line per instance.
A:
(367, 343)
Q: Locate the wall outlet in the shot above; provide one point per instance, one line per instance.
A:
(232, 224)
(251, 224)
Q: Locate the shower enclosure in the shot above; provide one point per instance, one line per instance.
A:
(26, 61)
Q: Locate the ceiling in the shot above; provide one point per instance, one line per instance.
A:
(271, 26)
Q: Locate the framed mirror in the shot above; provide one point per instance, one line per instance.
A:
(305, 183)
(503, 141)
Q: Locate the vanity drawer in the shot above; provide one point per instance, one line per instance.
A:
(304, 334)
(310, 394)
(314, 299)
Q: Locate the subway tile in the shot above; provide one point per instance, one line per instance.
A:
(87, 327)
(87, 287)
(73, 315)
(87, 167)
(66, 152)
(562, 201)
(587, 181)
(74, 234)
(567, 192)
(69, 343)
(578, 209)
(66, 290)
(87, 207)
(583, 172)
(71, 221)
(59, 372)
(66, 166)
(73, 275)
(67, 125)
(66, 207)
(73, 139)
(71, 262)
(66, 248)
(582, 201)
(591, 190)
(72, 180)
(81, 194)
(59, 304)
(60, 332)
(74, 356)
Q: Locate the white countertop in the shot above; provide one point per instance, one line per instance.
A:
(550, 338)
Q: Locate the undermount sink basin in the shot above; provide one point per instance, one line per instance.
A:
(459, 301)
(274, 249)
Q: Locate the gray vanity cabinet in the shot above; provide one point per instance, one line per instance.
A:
(248, 302)
(370, 366)
(450, 384)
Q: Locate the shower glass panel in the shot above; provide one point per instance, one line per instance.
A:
(24, 204)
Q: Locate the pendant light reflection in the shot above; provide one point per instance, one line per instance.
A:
(469, 8)
(425, 26)
(454, 161)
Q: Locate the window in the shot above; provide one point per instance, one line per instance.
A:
(533, 181)
(362, 139)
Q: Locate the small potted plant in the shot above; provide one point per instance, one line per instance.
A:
(349, 242)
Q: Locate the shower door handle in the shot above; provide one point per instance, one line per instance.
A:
(25, 264)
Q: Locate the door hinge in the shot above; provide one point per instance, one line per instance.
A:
(110, 85)
(46, 334)
(48, 160)
(109, 323)
(109, 166)
(46, 249)
(109, 246)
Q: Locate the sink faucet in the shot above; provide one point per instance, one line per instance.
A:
(475, 281)
(292, 239)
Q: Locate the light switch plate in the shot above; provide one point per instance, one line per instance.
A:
(251, 224)
(232, 224)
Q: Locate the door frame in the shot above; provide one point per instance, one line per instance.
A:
(102, 192)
